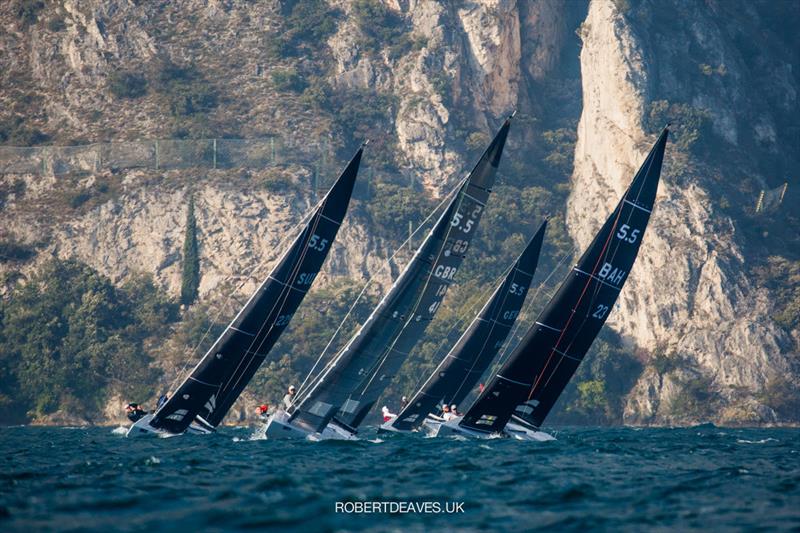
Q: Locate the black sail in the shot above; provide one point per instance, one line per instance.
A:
(530, 382)
(226, 369)
(350, 386)
(466, 362)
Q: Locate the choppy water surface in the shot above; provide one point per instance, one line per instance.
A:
(610, 479)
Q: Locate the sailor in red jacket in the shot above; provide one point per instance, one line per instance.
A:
(387, 415)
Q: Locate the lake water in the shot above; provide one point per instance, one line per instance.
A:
(589, 478)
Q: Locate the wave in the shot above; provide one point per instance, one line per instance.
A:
(762, 441)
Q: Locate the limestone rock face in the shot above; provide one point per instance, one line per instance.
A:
(689, 294)
(690, 298)
(469, 59)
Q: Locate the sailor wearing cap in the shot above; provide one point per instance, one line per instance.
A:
(288, 399)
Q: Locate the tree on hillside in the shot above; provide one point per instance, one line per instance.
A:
(190, 280)
(69, 339)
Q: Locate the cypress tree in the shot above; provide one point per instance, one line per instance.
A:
(190, 279)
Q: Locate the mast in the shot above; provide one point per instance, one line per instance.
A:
(535, 374)
(210, 390)
(466, 362)
(358, 375)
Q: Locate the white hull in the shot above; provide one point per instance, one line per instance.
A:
(512, 430)
(432, 426)
(279, 427)
(451, 428)
(520, 432)
(142, 428)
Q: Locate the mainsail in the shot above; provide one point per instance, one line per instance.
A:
(358, 375)
(535, 374)
(466, 362)
(219, 378)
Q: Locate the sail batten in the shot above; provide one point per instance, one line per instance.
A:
(216, 382)
(458, 373)
(539, 368)
(349, 387)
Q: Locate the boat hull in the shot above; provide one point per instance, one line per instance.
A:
(279, 427)
(520, 432)
(142, 428)
(512, 430)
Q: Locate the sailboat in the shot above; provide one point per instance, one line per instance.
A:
(458, 373)
(204, 397)
(337, 400)
(519, 397)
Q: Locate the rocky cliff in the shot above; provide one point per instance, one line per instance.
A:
(692, 295)
(429, 80)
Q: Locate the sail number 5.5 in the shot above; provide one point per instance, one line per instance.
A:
(317, 243)
(627, 234)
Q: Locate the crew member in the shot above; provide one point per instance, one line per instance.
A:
(162, 400)
(403, 402)
(288, 399)
(446, 414)
(387, 415)
(134, 412)
(261, 410)
(453, 411)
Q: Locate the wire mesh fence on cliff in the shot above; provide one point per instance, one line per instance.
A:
(771, 199)
(165, 155)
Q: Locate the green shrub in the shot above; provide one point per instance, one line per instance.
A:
(127, 85)
(16, 132)
(278, 182)
(56, 24)
(306, 24)
(477, 140)
(79, 198)
(782, 276)
(382, 27)
(13, 251)
(561, 143)
(698, 398)
(689, 123)
(361, 114)
(186, 88)
(783, 397)
(28, 11)
(288, 80)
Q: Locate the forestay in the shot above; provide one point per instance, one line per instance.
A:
(219, 378)
(537, 371)
(358, 375)
(466, 362)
